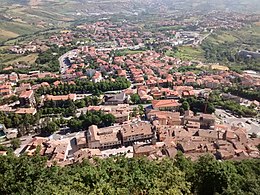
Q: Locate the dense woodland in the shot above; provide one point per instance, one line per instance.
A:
(120, 175)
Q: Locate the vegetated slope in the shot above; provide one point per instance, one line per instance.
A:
(120, 175)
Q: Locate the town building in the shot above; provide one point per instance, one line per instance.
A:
(27, 98)
(116, 99)
(61, 97)
(103, 138)
(206, 121)
(166, 105)
(116, 136)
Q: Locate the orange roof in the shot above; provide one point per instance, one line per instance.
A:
(56, 83)
(26, 94)
(45, 84)
(26, 111)
(164, 103)
(61, 97)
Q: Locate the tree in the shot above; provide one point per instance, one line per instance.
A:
(50, 128)
(108, 120)
(134, 113)
(81, 104)
(210, 108)
(120, 175)
(15, 143)
(75, 124)
(185, 105)
(213, 176)
(141, 110)
(135, 99)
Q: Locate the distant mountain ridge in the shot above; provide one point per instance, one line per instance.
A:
(126, 5)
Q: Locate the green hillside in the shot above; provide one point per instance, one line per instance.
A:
(122, 176)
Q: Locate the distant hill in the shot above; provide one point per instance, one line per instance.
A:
(19, 17)
(113, 5)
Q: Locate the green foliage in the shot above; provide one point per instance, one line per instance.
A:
(49, 80)
(222, 46)
(189, 68)
(217, 52)
(8, 100)
(198, 105)
(244, 93)
(68, 107)
(98, 118)
(127, 52)
(50, 128)
(50, 57)
(215, 100)
(185, 105)
(236, 108)
(213, 176)
(13, 120)
(85, 86)
(120, 175)
(15, 143)
(135, 99)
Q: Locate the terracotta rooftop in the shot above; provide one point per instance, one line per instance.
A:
(135, 129)
(61, 97)
(165, 103)
(26, 94)
(26, 111)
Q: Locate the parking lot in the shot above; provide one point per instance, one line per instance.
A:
(128, 151)
(252, 125)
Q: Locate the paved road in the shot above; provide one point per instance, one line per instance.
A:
(25, 140)
(123, 150)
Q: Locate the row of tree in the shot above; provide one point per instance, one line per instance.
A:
(85, 86)
(244, 93)
(68, 107)
(120, 175)
(236, 108)
(231, 105)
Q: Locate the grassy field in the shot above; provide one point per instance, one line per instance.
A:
(248, 37)
(10, 29)
(187, 53)
(4, 58)
(5, 34)
(17, 20)
(29, 59)
(9, 59)
(127, 52)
